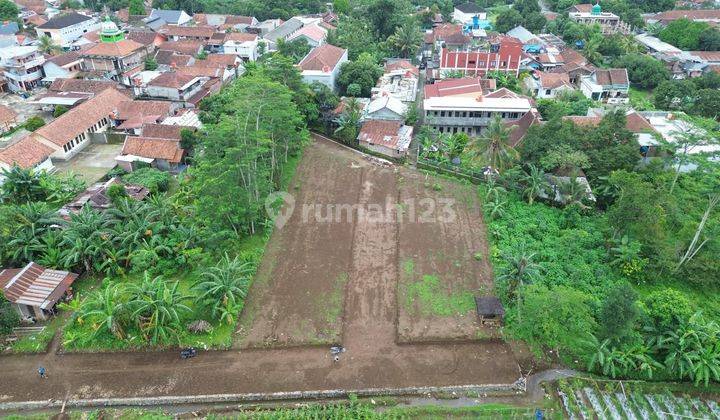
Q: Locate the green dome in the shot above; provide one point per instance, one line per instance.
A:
(596, 10)
(109, 32)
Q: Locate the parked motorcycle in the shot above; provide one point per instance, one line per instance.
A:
(188, 353)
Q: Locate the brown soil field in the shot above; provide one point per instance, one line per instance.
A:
(443, 261)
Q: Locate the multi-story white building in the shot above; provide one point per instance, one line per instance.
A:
(466, 105)
(588, 14)
(64, 29)
(22, 67)
(243, 45)
(606, 85)
(464, 13)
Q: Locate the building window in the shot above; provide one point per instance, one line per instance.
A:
(442, 113)
(548, 91)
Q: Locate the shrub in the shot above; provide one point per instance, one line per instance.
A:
(666, 308)
(33, 123)
(9, 317)
(150, 178)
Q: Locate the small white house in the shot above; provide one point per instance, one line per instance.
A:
(243, 45)
(26, 153)
(549, 85)
(464, 13)
(385, 108)
(322, 64)
(607, 85)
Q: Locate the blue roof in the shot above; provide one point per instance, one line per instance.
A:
(10, 28)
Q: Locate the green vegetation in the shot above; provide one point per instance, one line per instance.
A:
(33, 123)
(430, 297)
(153, 179)
(39, 342)
(691, 36)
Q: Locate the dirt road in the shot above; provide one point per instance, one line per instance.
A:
(373, 359)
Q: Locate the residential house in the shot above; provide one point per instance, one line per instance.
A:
(9, 28)
(468, 105)
(71, 132)
(64, 29)
(172, 86)
(519, 128)
(159, 18)
(385, 108)
(162, 154)
(284, 31)
(671, 128)
(606, 85)
(151, 40)
(448, 35)
(225, 22)
(313, 34)
(504, 57)
(711, 16)
(132, 116)
(634, 122)
(263, 28)
(524, 36)
(21, 67)
(465, 13)
(167, 59)
(243, 45)
(187, 47)
(8, 118)
(63, 66)
(35, 290)
(194, 33)
(589, 14)
(96, 197)
(391, 138)
(548, 85)
(26, 153)
(185, 117)
(399, 81)
(322, 64)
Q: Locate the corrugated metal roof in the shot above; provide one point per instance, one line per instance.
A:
(37, 286)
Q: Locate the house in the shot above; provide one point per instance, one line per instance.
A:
(284, 31)
(81, 85)
(263, 28)
(26, 153)
(489, 310)
(159, 18)
(671, 127)
(391, 138)
(468, 105)
(8, 118)
(172, 86)
(131, 116)
(114, 55)
(399, 81)
(167, 59)
(64, 29)
(322, 64)
(711, 16)
(634, 122)
(243, 45)
(71, 132)
(225, 22)
(548, 85)
(313, 34)
(606, 85)
(187, 47)
(151, 40)
(505, 56)
(9, 28)
(160, 153)
(589, 14)
(520, 127)
(179, 33)
(655, 46)
(63, 66)
(35, 290)
(465, 13)
(185, 117)
(524, 36)
(95, 197)
(21, 67)
(385, 108)
(447, 35)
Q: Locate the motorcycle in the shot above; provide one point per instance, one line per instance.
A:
(188, 353)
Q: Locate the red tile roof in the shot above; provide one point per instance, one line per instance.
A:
(172, 79)
(188, 31)
(463, 86)
(520, 127)
(634, 122)
(7, 114)
(506, 59)
(113, 49)
(402, 65)
(606, 77)
(26, 153)
(554, 80)
(323, 58)
(706, 14)
(381, 132)
(81, 85)
(239, 37)
(153, 148)
(79, 119)
(313, 32)
(161, 131)
(127, 110)
(185, 46)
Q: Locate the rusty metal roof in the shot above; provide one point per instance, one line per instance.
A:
(35, 285)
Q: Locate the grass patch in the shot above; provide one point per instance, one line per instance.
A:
(641, 100)
(333, 303)
(38, 343)
(431, 299)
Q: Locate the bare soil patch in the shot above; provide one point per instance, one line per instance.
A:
(442, 259)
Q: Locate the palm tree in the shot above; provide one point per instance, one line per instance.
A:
(47, 45)
(349, 120)
(520, 270)
(159, 309)
(85, 239)
(493, 148)
(495, 209)
(108, 309)
(535, 183)
(225, 285)
(406, 39)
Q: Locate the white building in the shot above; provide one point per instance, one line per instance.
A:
(606, 85)
(385, 108)
(548, 85)
(22, 67)
(243, 45)
(467, 106)
(26, 153)
(66, 28)
(322, 64)
(464, 13)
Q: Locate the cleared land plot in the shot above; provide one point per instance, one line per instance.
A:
(442, 259)
(296, 298)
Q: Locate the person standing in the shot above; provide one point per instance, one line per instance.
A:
(41, 372)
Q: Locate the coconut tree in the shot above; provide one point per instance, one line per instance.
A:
(493, 148)
(520, 270)
(225, 285)
(47, 45)
(406, 39)
(535, 183)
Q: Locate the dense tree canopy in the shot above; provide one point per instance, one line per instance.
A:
(364, 72)
(644, 70)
